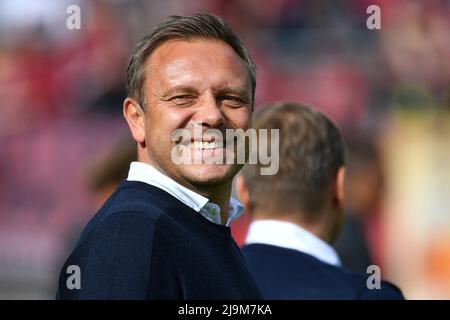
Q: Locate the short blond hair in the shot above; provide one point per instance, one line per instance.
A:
(311, 152)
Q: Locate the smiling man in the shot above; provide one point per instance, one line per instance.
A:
(164, 232)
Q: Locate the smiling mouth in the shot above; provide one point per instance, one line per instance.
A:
(205, 145)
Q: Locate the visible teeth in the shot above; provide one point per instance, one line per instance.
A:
(204, 145)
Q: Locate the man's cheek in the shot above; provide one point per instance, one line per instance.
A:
(247, 118)
(246, 124)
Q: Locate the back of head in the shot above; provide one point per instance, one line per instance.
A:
(311, 151)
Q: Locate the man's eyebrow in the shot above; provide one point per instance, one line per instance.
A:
(239, 91)
(180, 89)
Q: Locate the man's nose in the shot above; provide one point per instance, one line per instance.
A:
(209, 113)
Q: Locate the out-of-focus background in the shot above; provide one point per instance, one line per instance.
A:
(64, 145)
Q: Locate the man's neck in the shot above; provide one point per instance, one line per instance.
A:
(317, 228)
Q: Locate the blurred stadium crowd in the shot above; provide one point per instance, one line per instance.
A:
(61, 131)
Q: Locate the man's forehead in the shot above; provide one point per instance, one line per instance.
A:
(181, 61)
(209, 48)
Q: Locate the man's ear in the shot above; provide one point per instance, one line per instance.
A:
(339, 193)
(135, 117)
(242, 191)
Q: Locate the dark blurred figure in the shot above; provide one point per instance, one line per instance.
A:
(108, 173)
(297, 212)
(363, 192)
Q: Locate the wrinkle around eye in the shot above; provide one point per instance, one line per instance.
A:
(182, 99)
(234, 102)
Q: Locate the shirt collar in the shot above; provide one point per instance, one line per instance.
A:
(146, 173)
(291, 236)
(211, 211)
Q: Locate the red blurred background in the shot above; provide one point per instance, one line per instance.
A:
(64, 145)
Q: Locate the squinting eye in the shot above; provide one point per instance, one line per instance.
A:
(233, 101)
(183, 99)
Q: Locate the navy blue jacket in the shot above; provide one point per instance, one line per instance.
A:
(290, 274)
(146, 244)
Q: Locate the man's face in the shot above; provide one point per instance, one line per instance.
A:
(202, 83)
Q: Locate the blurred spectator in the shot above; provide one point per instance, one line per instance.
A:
(364, 189)
(106, 175)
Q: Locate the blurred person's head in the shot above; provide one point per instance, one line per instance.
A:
(365, 181)
(106, 174)
(309, 187)
(191, 70)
